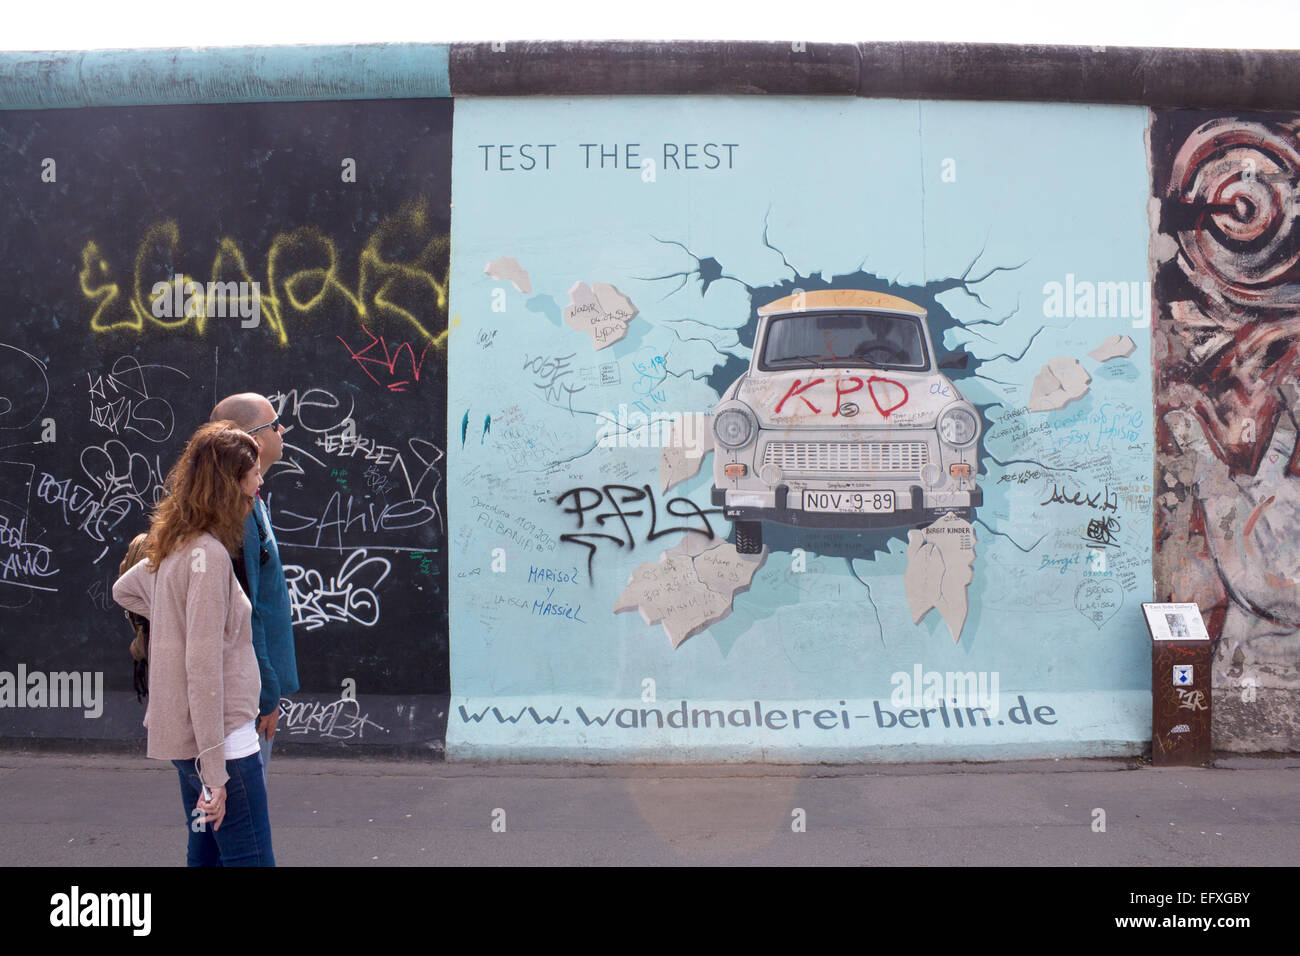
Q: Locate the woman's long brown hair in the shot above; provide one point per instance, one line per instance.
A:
(203, 493)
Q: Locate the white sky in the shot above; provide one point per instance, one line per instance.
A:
(91, 24)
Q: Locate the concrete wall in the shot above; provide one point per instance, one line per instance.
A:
(609, 257)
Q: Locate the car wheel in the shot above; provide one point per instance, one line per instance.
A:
(749, 537)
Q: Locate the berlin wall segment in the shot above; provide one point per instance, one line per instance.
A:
(1225, 250)
(578, 507)
(948, 462)
(168, 256)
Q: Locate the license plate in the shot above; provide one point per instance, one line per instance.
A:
(849, 502)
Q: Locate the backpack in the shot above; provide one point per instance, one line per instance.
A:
(140, 655)
(139, 626)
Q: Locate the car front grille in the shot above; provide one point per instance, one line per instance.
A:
(813, 458)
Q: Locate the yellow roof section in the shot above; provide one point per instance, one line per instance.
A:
(840, 299)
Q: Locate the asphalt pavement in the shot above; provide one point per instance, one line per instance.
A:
(101, 810)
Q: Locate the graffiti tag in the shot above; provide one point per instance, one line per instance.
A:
(338, 720)
(349, 596)
(549, 375)
(615, 498)
(372, 361)
(122, 400)
(1103, 530)
(1109, 499)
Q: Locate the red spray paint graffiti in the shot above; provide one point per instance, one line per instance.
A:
(368, 358)
(887, 385)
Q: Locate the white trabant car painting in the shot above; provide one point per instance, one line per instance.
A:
(843, 420)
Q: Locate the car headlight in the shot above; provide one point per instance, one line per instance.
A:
(734, 427)
(958, 426)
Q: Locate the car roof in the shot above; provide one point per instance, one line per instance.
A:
(841, 299)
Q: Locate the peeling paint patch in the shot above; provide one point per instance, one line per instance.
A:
(1060, 382)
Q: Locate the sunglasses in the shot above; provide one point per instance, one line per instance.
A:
(271, 424)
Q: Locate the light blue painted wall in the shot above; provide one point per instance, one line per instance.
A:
(1052, 190)
(222, 75)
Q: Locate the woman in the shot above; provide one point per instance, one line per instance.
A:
(203, 676)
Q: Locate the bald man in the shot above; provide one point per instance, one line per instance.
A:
(263, 576)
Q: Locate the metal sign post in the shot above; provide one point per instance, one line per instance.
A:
(1180, 685)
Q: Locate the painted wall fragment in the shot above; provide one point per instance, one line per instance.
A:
(1059, 382)
(1114, 346)
(940, 562)
(601, 311)
(687, 592)
(509, 270)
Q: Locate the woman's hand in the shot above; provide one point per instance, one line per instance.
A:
(214, 810)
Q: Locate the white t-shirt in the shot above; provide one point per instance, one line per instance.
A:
(242, 741)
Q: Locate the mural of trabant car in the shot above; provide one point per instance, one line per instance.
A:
(843, 421)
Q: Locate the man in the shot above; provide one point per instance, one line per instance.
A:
(264, 575)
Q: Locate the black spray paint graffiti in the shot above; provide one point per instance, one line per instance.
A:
(549, 375)
(1103, 530)
(1109, 500)
(616, 496)
(1020, 477)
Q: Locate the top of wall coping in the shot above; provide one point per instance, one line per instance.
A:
(1158, 77)
(255, 74)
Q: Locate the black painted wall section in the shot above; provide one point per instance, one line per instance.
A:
(1260, 79)
(626, 67)
(98, 392)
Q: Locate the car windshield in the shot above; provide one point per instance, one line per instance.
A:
(858, 338)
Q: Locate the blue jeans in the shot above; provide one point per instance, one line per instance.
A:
(245, 835)
(266, 759)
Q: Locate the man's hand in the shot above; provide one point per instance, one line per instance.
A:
(266, 725)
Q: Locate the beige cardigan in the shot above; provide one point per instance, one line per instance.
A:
(203, 676)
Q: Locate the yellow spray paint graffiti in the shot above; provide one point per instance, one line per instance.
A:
(402, 277)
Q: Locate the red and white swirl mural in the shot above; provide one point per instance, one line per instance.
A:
(1226, 259)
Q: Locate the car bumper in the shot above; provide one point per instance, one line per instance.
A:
(774, 506)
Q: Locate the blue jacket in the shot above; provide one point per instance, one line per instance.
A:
(272, 618)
